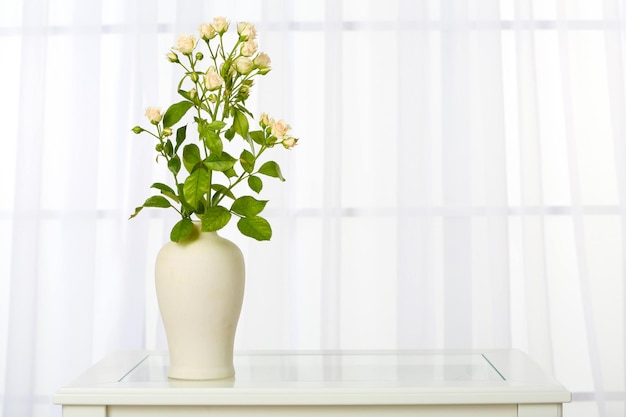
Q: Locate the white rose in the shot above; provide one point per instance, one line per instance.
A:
(279, 128)
(249, 48)
(243, 65)
(262, 60)
(246, 31)
(212, 79)
(220, 24)
(207, 31)
(186, 43)
(154, 115)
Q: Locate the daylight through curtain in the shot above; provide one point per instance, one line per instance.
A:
(459, 183)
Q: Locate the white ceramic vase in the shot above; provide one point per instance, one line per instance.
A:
(200, 286)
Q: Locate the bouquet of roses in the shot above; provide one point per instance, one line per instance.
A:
(213, 99)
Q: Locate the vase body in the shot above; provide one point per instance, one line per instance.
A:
(200, 286)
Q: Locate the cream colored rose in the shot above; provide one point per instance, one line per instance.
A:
(264, 120)
(262, 61)
(289, 142)
(246, 31)
(249, 48)
(279, 129)
(212, 79)
(207, 31)
(185, 44)
(172, 56)
(243, 65)
(154, 115)
(220, 24)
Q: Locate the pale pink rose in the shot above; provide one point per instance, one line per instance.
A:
(249, 48)
(186, 43)
(220, 24)
(207, 31)
(154, 115)
(243, 65)
(279, 128)
(246, 31)
(289, 142)
(212, 79)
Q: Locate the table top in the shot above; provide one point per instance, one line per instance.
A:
(323, 378)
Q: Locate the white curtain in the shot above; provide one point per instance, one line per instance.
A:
(459, 183)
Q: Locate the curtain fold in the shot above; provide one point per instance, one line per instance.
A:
(20, 354)
(615, 42)
(537, 306)
(578, 221)
(459, 183)
(333, 122)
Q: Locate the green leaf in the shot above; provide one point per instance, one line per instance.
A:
(230, 133)
(181, 230)
(243, 109)
(191, 156)
(137, 211)
(247, 161)
(255, 183)
(223, 190)
(174, 165)
(181, 134)
(214, 142)
(258, 136)
(240, 124)
(176, 112)
(154, 201)
(223, 162)
(271, 169)
(165, 190)
(248, 206)
(185, 94)
(157, 201)
(215, 218)
(181, 195)
(216, 125)
(168, 148)
(196, 186)
(255, 227)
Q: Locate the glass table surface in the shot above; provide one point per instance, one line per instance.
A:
(357, 369)
(323, 378)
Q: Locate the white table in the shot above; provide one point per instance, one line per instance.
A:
(502, 383)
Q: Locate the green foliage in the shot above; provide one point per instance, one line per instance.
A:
(214, 85)
(248, 206)
(255, 227)
(255, 183)
(175, 113)
(271, 169)
(215, 218)
(181, 230)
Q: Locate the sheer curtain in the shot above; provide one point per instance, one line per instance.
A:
(459, 183)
